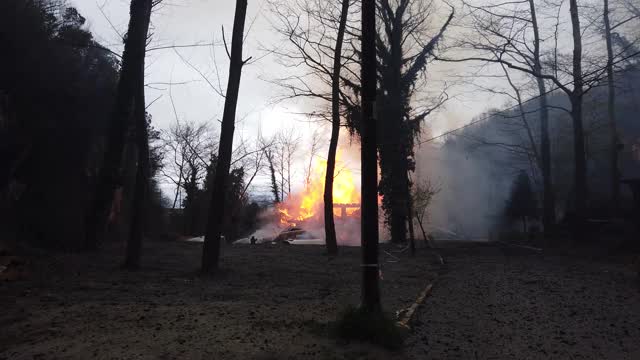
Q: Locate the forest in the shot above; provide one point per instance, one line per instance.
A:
(374, 179)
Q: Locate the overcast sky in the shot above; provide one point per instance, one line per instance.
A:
(200, 21)
(181, 22)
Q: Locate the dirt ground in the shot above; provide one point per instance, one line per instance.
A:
(269, 302)
(493, 303)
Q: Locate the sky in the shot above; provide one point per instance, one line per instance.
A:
(184, 22)
(180, 22)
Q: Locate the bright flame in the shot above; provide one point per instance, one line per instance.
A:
(309, 203)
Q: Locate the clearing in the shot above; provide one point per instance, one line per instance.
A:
(267, 303)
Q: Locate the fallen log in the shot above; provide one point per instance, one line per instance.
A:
(406, 314)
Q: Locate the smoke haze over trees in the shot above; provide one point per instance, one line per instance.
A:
(497, 148)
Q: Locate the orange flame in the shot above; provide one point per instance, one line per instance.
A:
(309, 203)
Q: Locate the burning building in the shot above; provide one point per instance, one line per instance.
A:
(303, 212)
(306, 207)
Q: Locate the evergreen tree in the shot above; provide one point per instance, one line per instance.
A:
(522, 202)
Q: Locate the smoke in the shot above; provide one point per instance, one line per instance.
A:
(469, 202)
(471, 196)
(301, 212)
(347, 229)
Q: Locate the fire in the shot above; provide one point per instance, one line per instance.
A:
(308, 204)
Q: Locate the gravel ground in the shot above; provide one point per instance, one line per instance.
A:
(494, 304)
(265, 304)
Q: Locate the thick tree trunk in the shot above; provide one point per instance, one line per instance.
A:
(398, 125)
(580, 171)
(141, 192)
(396, 139)
(611, 103)
(548, 197)
(211, 248)
(398, 187)
(580, 175)
(110, 177)
(394, 166)
(329, 225)
(369, 163)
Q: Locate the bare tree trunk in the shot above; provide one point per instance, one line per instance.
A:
(175, 198)
(110, 177)
(315, 142)
(274, 181)
(611, 107)
(141, 192)
(580, 176)
(536, 163)
(412, 236)
(369, 166)
(424, 233)
(211, 248)
(548, 197)
(288, 171)
(580, 182)
(329, 225)
(282, 176)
